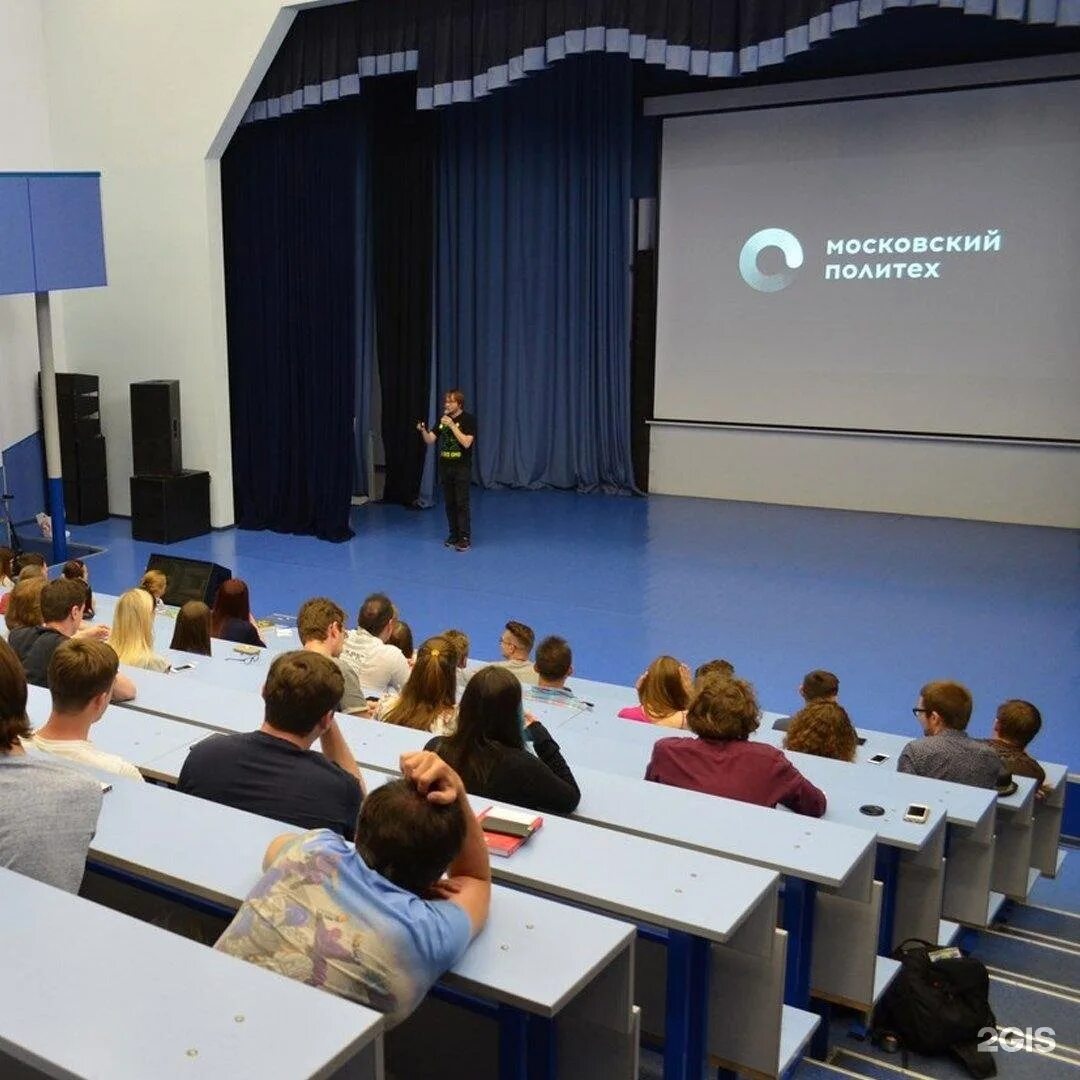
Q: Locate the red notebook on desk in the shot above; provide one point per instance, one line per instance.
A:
(505, 830)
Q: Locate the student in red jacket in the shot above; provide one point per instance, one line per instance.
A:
(722, 760)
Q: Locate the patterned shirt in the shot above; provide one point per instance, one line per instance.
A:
(952, 755)
(322, 916)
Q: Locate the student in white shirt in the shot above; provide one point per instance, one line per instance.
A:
(379, 666)
(81, 676)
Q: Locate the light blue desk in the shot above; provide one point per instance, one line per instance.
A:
(1032, 825)
(717, 920)
(88, 992)
(277, 638)
(1006, 865)
(606, 699)
(557, 981)
(810, 853)
(140, 738)
(966, 893)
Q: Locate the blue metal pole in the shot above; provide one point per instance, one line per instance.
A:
(51, 428)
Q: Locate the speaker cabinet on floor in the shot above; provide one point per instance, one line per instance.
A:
(82, 448)
(165, 509)
(189, 579)
(155, 428)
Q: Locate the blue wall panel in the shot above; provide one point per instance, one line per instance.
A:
(16, 246)
(50, 232)
(69, 248)
(24, 465)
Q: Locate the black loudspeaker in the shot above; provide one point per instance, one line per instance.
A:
(82, 448)
(155, 427)
(189, 579)
(165, 509)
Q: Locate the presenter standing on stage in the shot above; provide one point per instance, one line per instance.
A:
(455, 436)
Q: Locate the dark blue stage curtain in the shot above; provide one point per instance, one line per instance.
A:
(289, 197)
(532, 278)
(462, 50)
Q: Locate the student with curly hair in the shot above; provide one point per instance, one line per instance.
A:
(723, 761)
(824, 729)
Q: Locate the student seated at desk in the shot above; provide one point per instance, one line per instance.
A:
(80, 678)
(722, 760)
(946, 751)
(379, 666)
(231, 618)
(192, 631)
(664, 692)
(515, 644)
(459, 642)
(133, 632)
(488, 749)
(274, 771)
(320, 623)
(817, 685)
(62, 612)
(23, 615)
(554, 665)
(75, 569)
(155, 584)
(48, 812)
(719, 666)
(824, 729)
(377, 924)
(1016, 723)
(7, 568)
(402, 640)
(428, 700)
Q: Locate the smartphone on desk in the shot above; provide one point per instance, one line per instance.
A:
(877, 759)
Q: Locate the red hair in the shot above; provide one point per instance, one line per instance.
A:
(231, 602)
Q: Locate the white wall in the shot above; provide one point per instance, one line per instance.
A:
(141, 91)
(25, 146)
(1020, 484)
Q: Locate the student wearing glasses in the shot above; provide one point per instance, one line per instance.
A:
(946, 751)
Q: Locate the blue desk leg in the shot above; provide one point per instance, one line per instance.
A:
(799, 899)
(886, 870)
(686, 1016)
(513, 1044)
(543, 1049)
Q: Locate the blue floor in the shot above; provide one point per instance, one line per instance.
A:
(887, 602)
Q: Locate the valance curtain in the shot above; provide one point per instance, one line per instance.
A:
(465, 49)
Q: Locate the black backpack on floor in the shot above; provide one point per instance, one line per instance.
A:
(938, 1004)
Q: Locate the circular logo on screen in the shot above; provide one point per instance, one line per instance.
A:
(789, 247)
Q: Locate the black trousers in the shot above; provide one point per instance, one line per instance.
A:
(454, 477)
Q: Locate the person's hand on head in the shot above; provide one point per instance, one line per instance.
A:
(431, 776)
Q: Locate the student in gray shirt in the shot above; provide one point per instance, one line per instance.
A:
(48, 811)
(946, 751)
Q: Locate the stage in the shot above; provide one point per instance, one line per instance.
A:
(886, 602)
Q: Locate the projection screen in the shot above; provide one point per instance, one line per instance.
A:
(905, 263)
